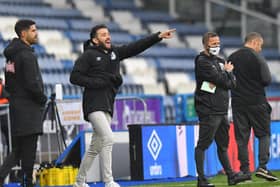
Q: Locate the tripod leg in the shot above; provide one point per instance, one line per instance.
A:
(59, 123)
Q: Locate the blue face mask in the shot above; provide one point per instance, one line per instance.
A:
(214, 50)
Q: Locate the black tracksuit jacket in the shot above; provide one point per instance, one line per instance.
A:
(208, 68)
(99, 72)
(252, 75)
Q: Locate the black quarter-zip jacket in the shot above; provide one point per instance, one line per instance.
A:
(98, 71)
(208, 68)
(252, 76)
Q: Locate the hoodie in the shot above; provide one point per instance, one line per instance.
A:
(26, 82)
(25, 85)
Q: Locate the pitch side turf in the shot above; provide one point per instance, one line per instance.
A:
(221, 181)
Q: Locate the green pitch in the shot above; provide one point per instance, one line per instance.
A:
(221, 181)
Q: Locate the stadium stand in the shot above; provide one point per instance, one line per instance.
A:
(64, 25)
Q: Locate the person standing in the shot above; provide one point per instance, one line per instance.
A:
(214, 78)
(27, 100)
(98, 71)
(250, 108)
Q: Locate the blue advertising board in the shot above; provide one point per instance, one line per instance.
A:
(185, 109)
(168, 151)
(159, 152)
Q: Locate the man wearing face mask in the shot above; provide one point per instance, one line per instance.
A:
(98, 71)
(214, 78)
(250, 108)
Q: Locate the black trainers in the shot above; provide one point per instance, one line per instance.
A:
(266, 174)
(204, 183)
(245, 176)
(238, 178)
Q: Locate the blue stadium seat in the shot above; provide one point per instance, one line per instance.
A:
(271, 54)
(37, 11)
(25, 2)
(80, 24)
(50, 23)
(189, 29)
(232, 42)
(67, 64)
(77, 36)
(121, 38)
(152, 16)
(176, 65)
(39, 49)
(170, 52)
(119, 5)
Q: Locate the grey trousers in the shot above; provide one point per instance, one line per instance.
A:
(101, 143)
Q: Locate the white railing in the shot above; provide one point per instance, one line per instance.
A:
(244, 13)
(242, 9)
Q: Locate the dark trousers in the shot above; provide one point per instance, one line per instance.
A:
(258, 118)
(5, 130)
(24, 150)
(213, 127)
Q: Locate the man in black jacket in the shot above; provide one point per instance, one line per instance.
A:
(250, 108)
(27, 100)
(214, 78)
(98, 71)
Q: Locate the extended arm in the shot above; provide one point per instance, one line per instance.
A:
(139, 46)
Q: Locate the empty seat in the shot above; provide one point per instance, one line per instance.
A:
(87, 7)
(81, 24)
(7, 26)
(188, 29)
(55, 43)
(51, 23)
(231, 42)
(174, 42)
(194, 42)
(179, 83)
(140, 66)
(176, 64)
(154, 88)
(128, 21)
(153, 16)
(170, 52)
(271, 54)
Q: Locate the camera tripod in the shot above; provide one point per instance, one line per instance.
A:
(52, 112)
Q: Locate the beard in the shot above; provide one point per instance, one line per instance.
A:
(103, 45)
(32, 40)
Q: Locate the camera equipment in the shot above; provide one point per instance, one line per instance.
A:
(52, 112)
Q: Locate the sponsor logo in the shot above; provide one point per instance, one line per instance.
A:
(155, 170)
(154, 145)
(275, 146)
(113, 56)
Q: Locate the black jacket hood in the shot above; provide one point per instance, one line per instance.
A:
(16, 46)
(89, 45)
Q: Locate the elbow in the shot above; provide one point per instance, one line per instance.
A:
(73, 79)
(266, 82)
